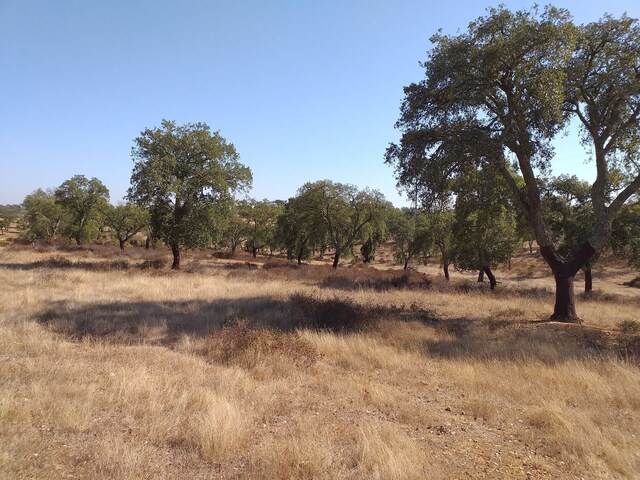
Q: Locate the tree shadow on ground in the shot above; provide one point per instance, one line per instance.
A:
(62, 263)
(164, 323)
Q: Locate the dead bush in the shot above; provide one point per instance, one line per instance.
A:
(237, 343)
(153, 264)
(335, 315)
(635, 283)
(278, 263)
(371, 278)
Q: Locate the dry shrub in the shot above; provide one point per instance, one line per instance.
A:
(629, 339)
(240, 266)
(108, 265)
(238, 343)
(60, 262)
(354, 278)
(490, 340)
(55, 261)
(635, 283)
(223, 255)
(334, 314)
(153, 264)
(279, 263)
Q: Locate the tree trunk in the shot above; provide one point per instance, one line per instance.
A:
(147, 243)
(445, 261)
(176, 257)
(490, 276)
(406, 263)
(530, 245)
(121, 242)
(480, 275)
(588, 279)
(336, 259)
(564, 272)
(254, 251)
(78, 240)
(300, 253)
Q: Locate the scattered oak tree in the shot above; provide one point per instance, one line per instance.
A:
(511, 82)
(125, 221)
(84, 201)
(186, 175)
(260, 218)
(412, 237)
(43, 217)
(485, 226)
(300, 229)
(346, 212)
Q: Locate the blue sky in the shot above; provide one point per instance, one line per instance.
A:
(305, 90)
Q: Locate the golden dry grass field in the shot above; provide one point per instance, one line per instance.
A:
(110, 368)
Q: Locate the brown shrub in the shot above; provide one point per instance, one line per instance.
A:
(237, 343)
(371, 278)
(336, 315)
(278, 263)
(153, 264)
(635, 283)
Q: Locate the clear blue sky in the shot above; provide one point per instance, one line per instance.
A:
(306, 90)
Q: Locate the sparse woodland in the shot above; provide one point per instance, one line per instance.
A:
(193, 332)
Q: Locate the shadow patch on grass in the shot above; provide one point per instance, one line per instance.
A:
(165, 322)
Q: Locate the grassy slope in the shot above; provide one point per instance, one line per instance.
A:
(110, 373)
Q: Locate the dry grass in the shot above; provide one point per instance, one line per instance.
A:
(112, 371)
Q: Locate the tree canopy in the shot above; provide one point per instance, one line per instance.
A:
(347, 214)
(84, 201)
(508, 86)
(186, 175)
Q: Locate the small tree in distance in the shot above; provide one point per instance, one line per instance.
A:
(84, 201)
(186, 175)
(125, 221)
(43, 217)
(346, 212)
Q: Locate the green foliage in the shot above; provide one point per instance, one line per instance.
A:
(510, 83)
(260, 219)
(11, 212)
(125, 221)
(485, 227)
(412, 235)
(625, 236)
(186, 176)
(5, 223)
(347, 214)
(43, 217)
(568, 212)
(300, 229)
(84, 201)
(235, 228)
